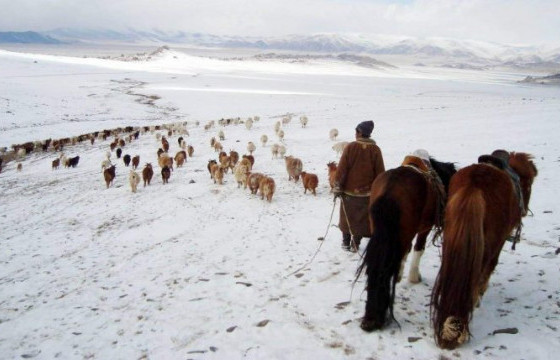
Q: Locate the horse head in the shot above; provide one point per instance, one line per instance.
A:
(523, 165)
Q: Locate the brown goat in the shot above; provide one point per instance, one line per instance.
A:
(109, 175)
(267, 187)
(254, 181)
(180, 158)
(217, 174)
(310, 182)
(147, 174)
(55, 163)
(251, 158)
(190, 150)
(135, 161)
(165, 174)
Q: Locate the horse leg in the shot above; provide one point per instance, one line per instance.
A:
(414, 273)
(401, 269)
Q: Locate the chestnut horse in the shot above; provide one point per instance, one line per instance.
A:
(482, 210)
(404, 202)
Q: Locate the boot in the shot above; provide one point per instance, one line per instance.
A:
(346, 241)
(355, 245)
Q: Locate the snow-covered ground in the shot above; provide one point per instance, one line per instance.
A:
(197, 270)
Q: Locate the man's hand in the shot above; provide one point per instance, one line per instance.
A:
(337, 191)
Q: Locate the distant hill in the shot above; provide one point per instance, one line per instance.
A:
(27, 37)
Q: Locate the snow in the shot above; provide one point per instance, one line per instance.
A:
(197, 270)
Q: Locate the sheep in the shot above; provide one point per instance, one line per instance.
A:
(253, 181)
(241, 172)
(249, 123)
(251, 147)
(251, 159)
(225, 163)
(294, 167)
(218, 146)
(280, 135)
(246, 162)
(122, 143)
(147, 174)
(180, 140)
(281, 150)
(277, 126)
(190, 150)
(109, 175)
(274, 150)
(165, 174)
(333, 134)
(286, 119)
(135, 162)
(339, 146)
(221, 135)
(264, 139)
(332, 173)
(183, 145)
(126, 160)
(267, 187)
(134, 180)
(310, 182)
(303, 120)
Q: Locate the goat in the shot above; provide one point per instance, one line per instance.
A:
(246, 162)
(251, 158)
(333, 134)
(277, 127)
(135, 162)
(332, 173)
(221, 135)
(286, 119)
(254, 180)
(267, 187)
(165, 174)
(218, 147)
(73, 162)
(190, 150)
(280, 135)
(55, 163)
(209, 166)
(147, 174)
(225, 163)
(264, 139)
(294, 167)
(165, 160)
(126, 160)
(281, 150)
(165, 144)
(180, 158)
(217, 173)
(233, 158)
(119, 152)
(310, 182)
(134, 179)
(109, 175)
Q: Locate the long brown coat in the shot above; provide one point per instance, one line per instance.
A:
(361, 162)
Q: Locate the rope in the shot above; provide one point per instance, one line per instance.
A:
(319, 248)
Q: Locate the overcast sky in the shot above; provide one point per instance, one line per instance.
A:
(506, 21)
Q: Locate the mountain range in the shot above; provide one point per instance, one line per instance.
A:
(458, 52)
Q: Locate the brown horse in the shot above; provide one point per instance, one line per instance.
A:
(482, 210)
(404, 202)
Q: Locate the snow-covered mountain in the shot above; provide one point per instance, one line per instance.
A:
(451, 52)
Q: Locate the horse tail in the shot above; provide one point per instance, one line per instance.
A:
(456, 289)
(382, 262)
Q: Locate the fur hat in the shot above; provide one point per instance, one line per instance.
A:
(365, 128)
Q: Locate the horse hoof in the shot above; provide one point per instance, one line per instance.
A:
(370, 325)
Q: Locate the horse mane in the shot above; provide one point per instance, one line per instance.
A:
(523, 164)
(445, 170)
